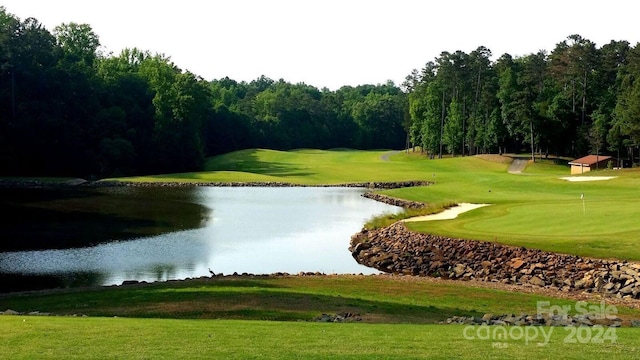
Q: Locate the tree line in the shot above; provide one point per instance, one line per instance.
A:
(576, 100)
(67, 109)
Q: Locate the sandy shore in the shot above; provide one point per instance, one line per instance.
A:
(450, 213)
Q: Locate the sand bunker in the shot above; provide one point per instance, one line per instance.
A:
(448, 214)
(587, 178)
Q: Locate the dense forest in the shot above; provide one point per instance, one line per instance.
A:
(67, 109)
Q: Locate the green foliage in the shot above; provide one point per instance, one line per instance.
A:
(58, 93)
(69, 109)
(454, 128)
(78, 42)
(576, 99)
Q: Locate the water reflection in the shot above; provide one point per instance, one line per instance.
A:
(66, 218)
(253, 230)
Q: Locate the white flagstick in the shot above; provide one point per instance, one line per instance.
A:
(584, 211)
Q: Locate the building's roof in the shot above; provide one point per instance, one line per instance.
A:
(589, 160)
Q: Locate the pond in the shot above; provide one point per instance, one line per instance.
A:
(104, 236)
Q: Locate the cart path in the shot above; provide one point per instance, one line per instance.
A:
(517, 166)
(388, 154)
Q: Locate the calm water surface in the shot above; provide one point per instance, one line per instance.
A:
(184, 233)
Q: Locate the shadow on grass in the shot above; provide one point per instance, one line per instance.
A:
(252, 300)
(249, 161)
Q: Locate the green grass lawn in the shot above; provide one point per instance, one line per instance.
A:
(378, 299)
(245, 318)
(311, 167)
(535, 209)
(539, 210)
(120, 338)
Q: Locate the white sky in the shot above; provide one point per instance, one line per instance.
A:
(330, 43)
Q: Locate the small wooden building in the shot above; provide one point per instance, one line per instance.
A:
(588, 163)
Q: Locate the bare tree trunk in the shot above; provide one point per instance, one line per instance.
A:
(573, 96)
(464, 123)
(463, 135)
(584, 97)
(441, 126)
(533, 154)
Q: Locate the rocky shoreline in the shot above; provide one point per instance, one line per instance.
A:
(397, 250)
(368, 185)
(407, 204)
(374, 185)
(4, 183)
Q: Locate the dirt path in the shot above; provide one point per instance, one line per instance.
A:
(517, 166)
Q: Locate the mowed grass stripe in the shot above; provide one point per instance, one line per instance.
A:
(119, 338)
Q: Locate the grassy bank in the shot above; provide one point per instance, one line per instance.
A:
(378, 299)
(175, 320)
